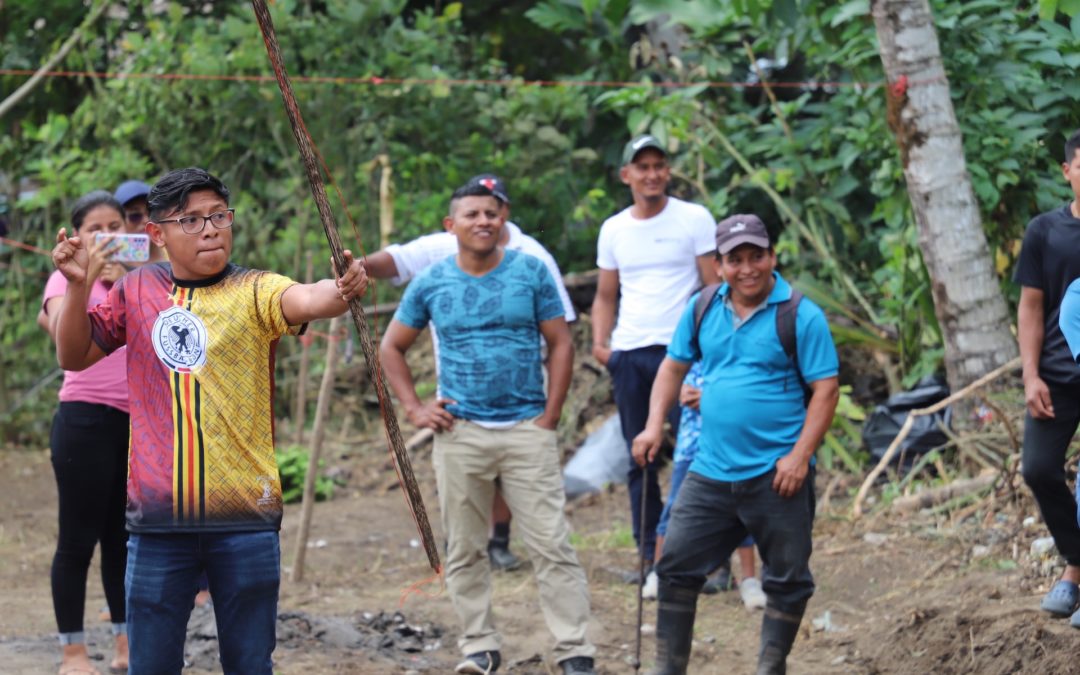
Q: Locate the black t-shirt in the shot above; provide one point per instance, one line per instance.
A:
(1049, 261)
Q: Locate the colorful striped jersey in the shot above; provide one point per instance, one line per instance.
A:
(200, 363)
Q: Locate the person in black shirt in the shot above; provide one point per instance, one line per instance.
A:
(1048, 264)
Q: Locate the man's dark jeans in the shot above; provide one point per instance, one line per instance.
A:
(632, 375)
(711, 518)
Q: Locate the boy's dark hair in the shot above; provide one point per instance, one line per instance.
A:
(90, 201)
(172, 191)
(470, 190)
(1071, 146)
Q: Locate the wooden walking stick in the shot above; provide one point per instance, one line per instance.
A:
(641, 566)
(303, 141)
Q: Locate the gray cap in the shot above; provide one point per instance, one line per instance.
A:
(639, 143)
(734, 231)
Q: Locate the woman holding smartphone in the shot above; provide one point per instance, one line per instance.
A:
(89, 443)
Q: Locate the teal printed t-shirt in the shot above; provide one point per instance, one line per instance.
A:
(489, 334)
(752, 409)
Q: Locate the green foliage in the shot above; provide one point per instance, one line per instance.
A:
(819, 163)
(292, 467)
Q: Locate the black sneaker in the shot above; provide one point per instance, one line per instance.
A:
(578, 665)
(719, 581)
(502, 559)
(480, 663)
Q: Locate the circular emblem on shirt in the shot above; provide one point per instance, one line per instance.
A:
(180, 339)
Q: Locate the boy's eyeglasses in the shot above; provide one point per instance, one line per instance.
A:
(222, 220)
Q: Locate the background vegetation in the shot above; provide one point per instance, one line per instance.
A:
(816, 160)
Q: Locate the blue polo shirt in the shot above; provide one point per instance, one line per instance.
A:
(1069, 318)
(751, 402)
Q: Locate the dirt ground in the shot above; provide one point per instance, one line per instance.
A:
(921, 594)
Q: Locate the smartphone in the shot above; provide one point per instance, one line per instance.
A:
(128, 247)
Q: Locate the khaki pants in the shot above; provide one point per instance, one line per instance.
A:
(526, 460)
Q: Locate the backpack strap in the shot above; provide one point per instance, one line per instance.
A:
(704, 300)
(786, 312)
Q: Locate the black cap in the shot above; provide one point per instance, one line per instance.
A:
(493, 183)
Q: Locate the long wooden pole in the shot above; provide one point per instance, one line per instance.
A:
(303, 142)
(318, 433)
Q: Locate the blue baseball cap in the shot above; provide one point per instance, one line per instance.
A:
(132, 189)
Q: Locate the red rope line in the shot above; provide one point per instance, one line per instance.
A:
(25, 247)
(375, 80)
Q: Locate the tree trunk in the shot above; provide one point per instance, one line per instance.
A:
(970, 309)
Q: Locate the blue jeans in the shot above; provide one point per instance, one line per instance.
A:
(244, 571)
(711, 518)
(632, 374)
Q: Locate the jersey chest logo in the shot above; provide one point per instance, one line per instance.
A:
(180, 339)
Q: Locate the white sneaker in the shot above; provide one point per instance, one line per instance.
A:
(652, 583)
(752, 595)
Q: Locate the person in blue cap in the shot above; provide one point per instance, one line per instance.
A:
(132, 196)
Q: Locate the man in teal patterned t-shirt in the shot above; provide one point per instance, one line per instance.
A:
(490, 306)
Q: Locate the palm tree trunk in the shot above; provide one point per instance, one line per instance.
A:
(968, 302)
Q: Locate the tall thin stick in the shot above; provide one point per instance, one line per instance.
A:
(303, 142)
(318, 433)
(641, 567)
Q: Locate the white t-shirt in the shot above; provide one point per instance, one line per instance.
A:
(413, 257)
(656, 259)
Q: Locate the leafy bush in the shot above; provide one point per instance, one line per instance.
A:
(292, 466)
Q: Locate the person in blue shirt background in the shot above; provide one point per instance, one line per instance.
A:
(753, 473)
(493, 420)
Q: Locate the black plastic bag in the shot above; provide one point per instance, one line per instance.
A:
(883, 425)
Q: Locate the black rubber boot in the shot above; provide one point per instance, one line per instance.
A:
(779, 628)
(674, 628)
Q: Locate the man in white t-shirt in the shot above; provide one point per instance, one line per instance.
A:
(400, 263)
(652, 256)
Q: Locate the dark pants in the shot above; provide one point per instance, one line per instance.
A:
(89, 445)
(1043, 466)
(712, 518)
(632, 375)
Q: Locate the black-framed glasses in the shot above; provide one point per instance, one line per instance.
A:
(222, 220)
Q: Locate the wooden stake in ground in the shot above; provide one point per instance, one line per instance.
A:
(303, 142)
(894, 447)
(300, 405)
(318, 433)
(386, 201)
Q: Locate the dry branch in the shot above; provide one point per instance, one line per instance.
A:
(894, 447)
(942, 494)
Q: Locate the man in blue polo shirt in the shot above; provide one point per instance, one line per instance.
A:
(753, 471)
